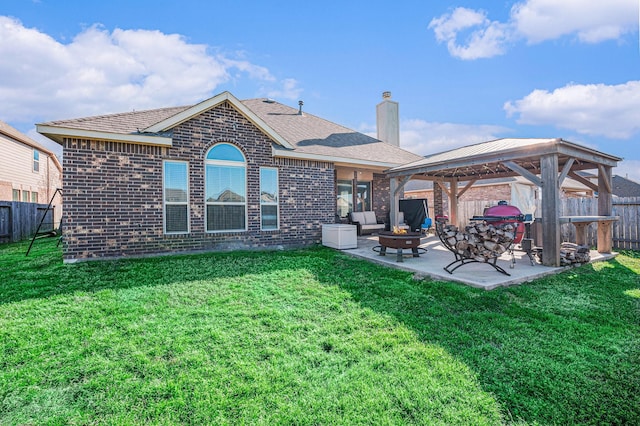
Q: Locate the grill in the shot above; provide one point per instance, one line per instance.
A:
(504, 213)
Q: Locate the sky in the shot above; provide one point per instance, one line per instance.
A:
(462, 71)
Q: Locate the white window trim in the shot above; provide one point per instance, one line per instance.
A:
(36, 152)
(224, 163)
(165, 203)
(277, 203)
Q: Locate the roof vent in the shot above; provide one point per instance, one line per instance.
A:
(386, 95)
(300, 103)
(269, 101)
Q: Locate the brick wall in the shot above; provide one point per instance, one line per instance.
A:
(113, 193)
(381, 197)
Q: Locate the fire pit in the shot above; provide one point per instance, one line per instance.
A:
(408, 240)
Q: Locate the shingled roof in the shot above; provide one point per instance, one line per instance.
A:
(312, 136)
(124, 123)
(623, 187)
(295, 135)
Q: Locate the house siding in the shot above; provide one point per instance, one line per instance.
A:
(113, 192)
(16, 172)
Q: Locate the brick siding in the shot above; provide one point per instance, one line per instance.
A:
(381, 197)
(113, 192)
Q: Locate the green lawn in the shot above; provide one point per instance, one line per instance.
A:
(310, 337)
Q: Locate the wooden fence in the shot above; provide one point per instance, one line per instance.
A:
(626, 234)
(19, 221)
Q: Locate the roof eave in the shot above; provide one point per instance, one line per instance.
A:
(339, 161)
(57, 134)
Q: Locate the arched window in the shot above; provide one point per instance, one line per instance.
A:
(225, 189)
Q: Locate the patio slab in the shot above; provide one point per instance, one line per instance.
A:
(431, 264)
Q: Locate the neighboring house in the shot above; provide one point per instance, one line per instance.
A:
(223, 174)
(624, 187)
(28, 171)
(508, 189)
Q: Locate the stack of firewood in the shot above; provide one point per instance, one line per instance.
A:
(480, 241)
(571, 253)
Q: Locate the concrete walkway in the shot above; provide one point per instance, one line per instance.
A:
(480, 275)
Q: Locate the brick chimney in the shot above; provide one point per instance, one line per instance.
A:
(387, 120)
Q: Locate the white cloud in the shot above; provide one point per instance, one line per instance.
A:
(100, 72)
(629, 169)
(535, 21)
(591, 21)
(289, 90)
(486, 39)
(592, 109)
(425, 138)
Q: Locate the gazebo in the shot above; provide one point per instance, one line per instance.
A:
(544, 162)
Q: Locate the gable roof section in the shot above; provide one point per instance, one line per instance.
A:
(313, 137)
(295, 135)
(16, 135)
(206, 105)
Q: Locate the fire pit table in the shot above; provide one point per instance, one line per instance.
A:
(409, 240)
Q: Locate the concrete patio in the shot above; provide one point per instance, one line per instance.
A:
(431, 264)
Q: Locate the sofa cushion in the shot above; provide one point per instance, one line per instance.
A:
(372, 226)
(370, 218)
(358, 217)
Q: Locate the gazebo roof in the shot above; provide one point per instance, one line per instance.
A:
(495, 159)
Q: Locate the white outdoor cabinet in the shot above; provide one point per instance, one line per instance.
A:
(340, 236)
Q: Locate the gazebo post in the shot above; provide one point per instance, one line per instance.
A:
(604, 190)
(453, 202)
(605, 208)
(394, 202)
(550, 210)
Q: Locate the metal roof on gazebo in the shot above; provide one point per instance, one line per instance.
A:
(492, 159)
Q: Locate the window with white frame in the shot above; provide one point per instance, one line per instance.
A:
(34, 197)
(16, 195)
(176, 197)
(25, 196)
(269, 217)
(225, 189)
(36, 160)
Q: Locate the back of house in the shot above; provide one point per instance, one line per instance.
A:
(223, 174)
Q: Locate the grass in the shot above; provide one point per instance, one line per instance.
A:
(310, 337)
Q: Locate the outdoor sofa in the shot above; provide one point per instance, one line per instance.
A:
(366, 222)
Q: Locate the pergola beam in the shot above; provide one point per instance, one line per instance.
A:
(582, 180)
(523, 172)
(467, 187)
(606, 181)
(565, 170)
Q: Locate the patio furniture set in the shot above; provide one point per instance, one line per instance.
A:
(500, 229)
